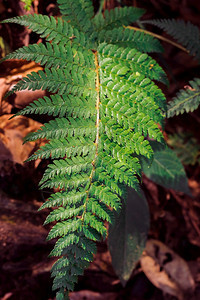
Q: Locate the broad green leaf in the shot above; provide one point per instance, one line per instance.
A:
(127, 237)
(166, 170)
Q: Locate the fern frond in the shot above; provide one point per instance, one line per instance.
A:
(122, 172)
(56, 105)
(63, 228)
(27, 4)
(117, 17)
(126, 61)
(104, 194)
(78, 12)
(64, 199)
(101, 210)
(125, 37)
(71, 166)
(67, 182)
(107, 107)
(52, 29)
(187, 100)
(61, 214)
(72, 79)
(54, 55)
(185, 33)
(62, 147)
(61, 128)
(136, 86)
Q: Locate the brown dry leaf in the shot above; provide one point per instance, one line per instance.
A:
(194, 186)
(167, 270)
(12, 133)
(3, 89)
(19, 70)
(90, 295)
(23, 98)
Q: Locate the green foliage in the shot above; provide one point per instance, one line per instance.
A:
(187, 100)
(186, 34)
(116, 18)
(79, 13)
(127, 237)
(166, 169)
(52, 29)
(186, 147)
(126, 37)
(27, 3)
(106, 107)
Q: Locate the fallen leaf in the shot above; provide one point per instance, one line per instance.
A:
(8, 80)
(90, 295)
(167, 270)
(12, 133)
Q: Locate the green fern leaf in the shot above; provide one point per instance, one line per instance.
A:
(73, 79)
(125, 37)
(61, 128)
(186, 100)
(27, 3)
(107, 107)
(53, 55)
(61, 214)
(64, 199)
(68, 166)
(117, 17)
(186, 34)
(68, 147)
(51, 29)
(60, 106)
(78, 12)
(120, 61)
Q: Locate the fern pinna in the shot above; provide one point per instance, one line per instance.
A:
(106, 106)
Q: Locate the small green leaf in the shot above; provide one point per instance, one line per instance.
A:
(27, 4)
(166, 170)
(127, 237)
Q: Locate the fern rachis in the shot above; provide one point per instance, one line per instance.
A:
(106, 107)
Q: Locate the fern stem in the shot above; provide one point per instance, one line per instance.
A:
(101, 6)
(97, 84)
(97, 103)
(160, 37)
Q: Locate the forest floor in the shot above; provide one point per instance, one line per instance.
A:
(175, 217)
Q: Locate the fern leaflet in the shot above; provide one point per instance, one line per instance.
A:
(187, 100)
(117, 17)
(27, 4)
(125, 37)
(186, 34)
(78, 12)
